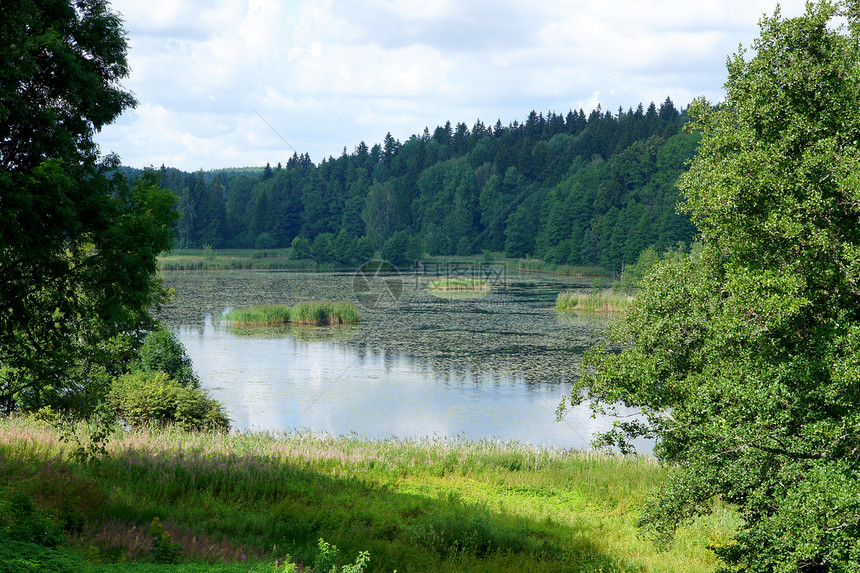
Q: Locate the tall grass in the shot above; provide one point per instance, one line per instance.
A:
(260, 315)
(431, 505)
(602, 301)
(305, 313)
(229, 259)
(324, 313)
(459, 284)
(539, 266)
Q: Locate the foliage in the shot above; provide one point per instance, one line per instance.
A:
(571, 189)
(21, 521)
(162, 352)
(743, 358)
(78, 245)
(401, 250)
(327, 555)
(142, 398)
(164, 549)
(634, 273)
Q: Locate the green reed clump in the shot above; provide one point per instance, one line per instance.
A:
(324, 313)
(459, 284)
(601, 301)
(260, 315)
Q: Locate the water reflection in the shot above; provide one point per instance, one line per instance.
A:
(494, 367)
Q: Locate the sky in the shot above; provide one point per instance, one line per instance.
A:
(238, 83)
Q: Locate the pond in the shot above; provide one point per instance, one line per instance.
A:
(492, 365)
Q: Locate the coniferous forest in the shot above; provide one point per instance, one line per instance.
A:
(575, 189)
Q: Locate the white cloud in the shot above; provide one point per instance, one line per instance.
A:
(327, 74)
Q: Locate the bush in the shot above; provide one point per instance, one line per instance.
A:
(300, 248)
(21, 521)
(265, 241)
(142, 398)
(162, 352)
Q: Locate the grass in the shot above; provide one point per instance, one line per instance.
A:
(436, 505)
(305, 313)
(228, 259)
(324, 313)
(539, 266)
(260, 315)
(459, 284)
(602, 301)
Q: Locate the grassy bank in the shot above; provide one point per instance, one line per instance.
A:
(228, 259)
(459, 284)
(271, 259)
(538, 266)
(415, 506)
(603, 301)
(306, 313)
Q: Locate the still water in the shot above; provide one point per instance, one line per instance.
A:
(418, 365)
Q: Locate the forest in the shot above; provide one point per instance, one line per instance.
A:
(574, 189)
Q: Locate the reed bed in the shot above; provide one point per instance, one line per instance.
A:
(324, 313)
(603, 301)
(539, 266)
(260, 315)
(416, 505)
(304, 313)
(459, 284)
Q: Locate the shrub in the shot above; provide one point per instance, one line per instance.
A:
(21, 521)
(300, 248)
(162, 352)
(142, 398)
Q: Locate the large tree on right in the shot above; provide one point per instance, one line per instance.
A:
(745, 358)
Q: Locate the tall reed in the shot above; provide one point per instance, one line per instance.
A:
(260, 315)
(324, 313)
(602, 301)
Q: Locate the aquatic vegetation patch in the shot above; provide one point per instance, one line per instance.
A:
(459, 284)
(602, 301)
(323, 313)
(260, 315)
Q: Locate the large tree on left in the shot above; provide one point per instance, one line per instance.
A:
(78, 245)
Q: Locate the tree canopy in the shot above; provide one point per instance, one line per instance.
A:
(568, 189)
(78, 245)
(745, 359)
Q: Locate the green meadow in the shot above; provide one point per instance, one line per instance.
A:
(242, 501)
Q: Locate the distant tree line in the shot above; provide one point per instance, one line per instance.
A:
(577, 189)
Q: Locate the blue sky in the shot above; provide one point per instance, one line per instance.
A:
(327, 74)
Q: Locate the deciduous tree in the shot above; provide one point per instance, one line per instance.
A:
(745, 360)
(78, 245)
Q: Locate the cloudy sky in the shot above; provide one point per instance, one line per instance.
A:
(230, 83)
